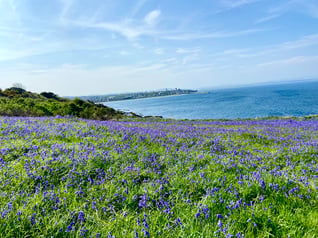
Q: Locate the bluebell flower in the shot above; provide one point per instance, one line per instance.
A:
(261, 198)
(83, 231)
(94, 205)
(220, 224)
(81, 216)
(146, 232)
(33, 219)
(219, 216)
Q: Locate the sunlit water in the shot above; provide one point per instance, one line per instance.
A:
(296, 99)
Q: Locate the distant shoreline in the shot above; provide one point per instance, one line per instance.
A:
(138, 95)
(174, 95)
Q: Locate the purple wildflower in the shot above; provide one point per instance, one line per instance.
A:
(81, 216)
(220, 224)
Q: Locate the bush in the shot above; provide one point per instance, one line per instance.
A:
(18, 102)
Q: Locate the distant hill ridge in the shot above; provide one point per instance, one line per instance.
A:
(16, 101)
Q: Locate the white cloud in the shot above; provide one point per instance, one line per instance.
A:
(152, 17)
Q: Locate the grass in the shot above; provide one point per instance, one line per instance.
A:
(68, 177)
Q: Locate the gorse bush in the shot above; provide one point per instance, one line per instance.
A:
(68, 177)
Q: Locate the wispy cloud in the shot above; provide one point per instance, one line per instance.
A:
(282, 48)
(127, 27)
(240, 53)
(123, 28)
(267, 18)
(7, 31)
(66, 6)
(311, 7)
(174, 39)
(305, 41)
(289, 61)
(188, 50)
(308, 7)
(139, 4)
(237, 3)
(210, 35)
(134, 28)
(152, 17)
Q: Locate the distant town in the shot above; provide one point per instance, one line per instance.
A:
(137, 95)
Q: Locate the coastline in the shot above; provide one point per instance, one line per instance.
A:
(137, 95)
(269, 118)
(163, 96)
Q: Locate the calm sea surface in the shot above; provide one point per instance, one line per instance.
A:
(294, 99)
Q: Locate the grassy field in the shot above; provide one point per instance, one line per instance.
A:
(67, 177)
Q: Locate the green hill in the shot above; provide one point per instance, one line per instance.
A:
(19, 102)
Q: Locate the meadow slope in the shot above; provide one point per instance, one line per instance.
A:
(68, 177)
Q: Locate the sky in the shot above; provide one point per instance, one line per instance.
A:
(91, 47)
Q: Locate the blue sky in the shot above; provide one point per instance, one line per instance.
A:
(84, 47)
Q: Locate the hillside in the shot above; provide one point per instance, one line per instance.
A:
(61, 177)
(19, 102)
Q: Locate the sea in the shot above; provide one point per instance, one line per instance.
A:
(286, 99)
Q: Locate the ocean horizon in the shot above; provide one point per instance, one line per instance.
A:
(257, 101)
